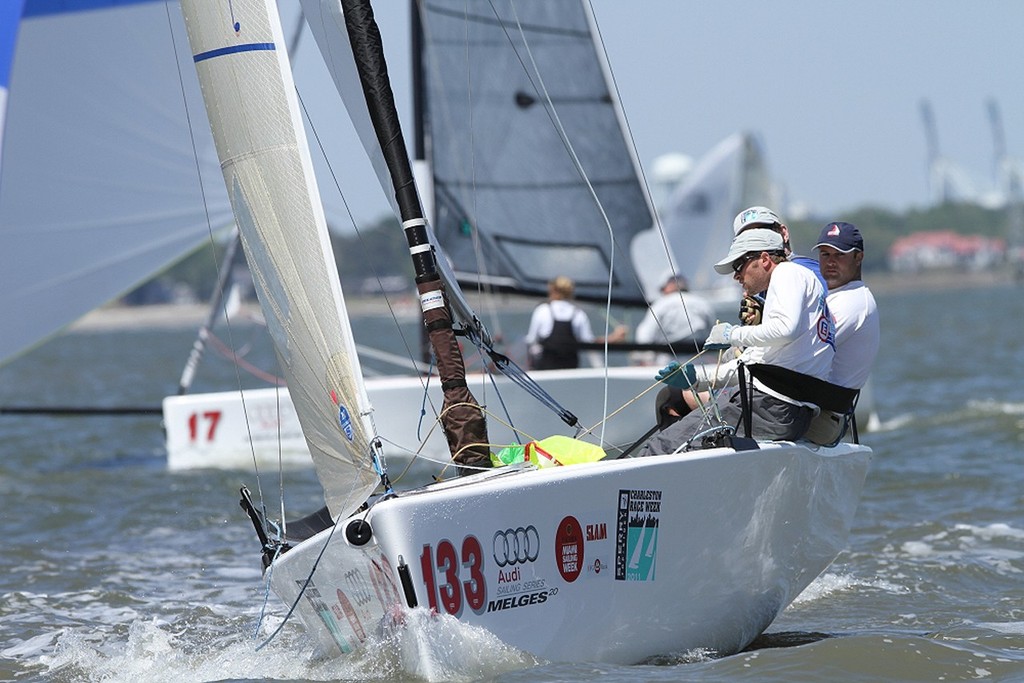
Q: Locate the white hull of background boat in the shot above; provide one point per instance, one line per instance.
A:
(617, 561)
(225, 430)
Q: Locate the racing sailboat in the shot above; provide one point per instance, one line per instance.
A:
(617, 560)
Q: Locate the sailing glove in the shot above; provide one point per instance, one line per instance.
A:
(750, 310)
(677, 376)
(718, 340)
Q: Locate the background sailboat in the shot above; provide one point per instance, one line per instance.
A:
(696, 219)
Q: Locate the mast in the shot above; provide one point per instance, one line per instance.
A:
(461, 416)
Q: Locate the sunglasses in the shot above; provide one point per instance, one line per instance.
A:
(739, 264)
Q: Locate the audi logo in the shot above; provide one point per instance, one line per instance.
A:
(516, 546)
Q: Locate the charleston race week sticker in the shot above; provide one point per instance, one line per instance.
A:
(636, 534)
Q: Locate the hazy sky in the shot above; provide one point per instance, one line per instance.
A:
(832, 89)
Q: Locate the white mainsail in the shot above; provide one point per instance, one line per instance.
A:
(253, 111)
(101, 185)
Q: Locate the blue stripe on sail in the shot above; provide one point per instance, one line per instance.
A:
(10, 12)
(231, 49)
(35, 8)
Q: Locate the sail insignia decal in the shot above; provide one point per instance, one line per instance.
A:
(232, 49)
(345, 420)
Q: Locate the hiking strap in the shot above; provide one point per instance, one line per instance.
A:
(805, 388)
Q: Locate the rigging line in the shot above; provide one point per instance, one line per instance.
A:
(266, 593)
(209, 227)
(639, 167)
(553, 114)
(280, 460)
(616, 103)
(236, 358)
(305, 585)
(483, 284)
(362, 241)
(634, 400)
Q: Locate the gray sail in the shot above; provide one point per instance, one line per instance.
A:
(507, 191)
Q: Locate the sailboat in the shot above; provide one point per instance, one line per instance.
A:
(612, 561)
(730, 177)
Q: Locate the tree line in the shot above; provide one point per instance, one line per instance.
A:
(380, 250)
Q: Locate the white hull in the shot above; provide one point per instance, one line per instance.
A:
(212, 430)
(727, 540)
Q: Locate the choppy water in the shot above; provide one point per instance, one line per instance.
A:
(114, 569)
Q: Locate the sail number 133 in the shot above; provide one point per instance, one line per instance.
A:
(454, 577)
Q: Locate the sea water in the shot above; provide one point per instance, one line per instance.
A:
(115, 569)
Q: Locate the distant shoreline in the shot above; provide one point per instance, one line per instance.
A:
(884, 283)
(185, 316)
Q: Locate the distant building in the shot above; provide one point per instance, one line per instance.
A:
(945, 249)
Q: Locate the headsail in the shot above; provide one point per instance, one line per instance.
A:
(100, 187)
(697, 219)
(253, 111)
(503, 177)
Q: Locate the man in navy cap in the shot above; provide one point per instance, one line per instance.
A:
(841, 253)
(852, 306)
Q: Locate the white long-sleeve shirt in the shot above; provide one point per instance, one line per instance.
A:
(671, 318)
(796, 331)
(858, 333)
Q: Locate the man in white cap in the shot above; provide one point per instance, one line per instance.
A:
(795, 333)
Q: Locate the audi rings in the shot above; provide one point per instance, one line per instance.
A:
(516, 546)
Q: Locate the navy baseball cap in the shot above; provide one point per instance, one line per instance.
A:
(844, 237)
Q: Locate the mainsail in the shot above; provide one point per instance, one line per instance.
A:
(531, 170)
(253, 110)
(100, 187)
(698, 215)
